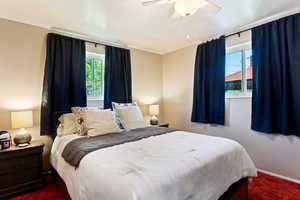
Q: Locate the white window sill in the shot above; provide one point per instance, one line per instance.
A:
(99, 98)
(238, 96)
(95, 108)
(95, 103)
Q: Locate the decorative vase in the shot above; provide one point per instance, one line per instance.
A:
(22, 139)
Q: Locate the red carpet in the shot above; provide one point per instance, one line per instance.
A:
(264, 187)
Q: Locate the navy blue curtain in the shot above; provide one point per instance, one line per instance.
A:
(209, 83)
(64, 79)
(276, 81)
(117, 76)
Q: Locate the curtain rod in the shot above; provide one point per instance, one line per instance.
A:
(239, 32)
(96, 43)
(267, 20)
(105, 44)
(85, 38)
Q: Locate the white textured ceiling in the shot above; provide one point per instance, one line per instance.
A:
(148, 28)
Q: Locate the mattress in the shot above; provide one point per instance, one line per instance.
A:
(178, 166)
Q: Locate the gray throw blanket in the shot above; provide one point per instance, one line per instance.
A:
(78, 148)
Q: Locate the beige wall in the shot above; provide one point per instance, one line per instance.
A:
(274, 153)
(146, 79)
(22, 60)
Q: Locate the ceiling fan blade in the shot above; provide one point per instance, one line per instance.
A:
(210, 7)
(153, 2)
(150, 3)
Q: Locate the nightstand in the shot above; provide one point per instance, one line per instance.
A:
(166, 125)
(21, 169)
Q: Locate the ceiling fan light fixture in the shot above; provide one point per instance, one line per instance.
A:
(189, 7)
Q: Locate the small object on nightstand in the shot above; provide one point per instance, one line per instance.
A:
(21, 169)
(22, 120)
(5, 140)
(154, 111)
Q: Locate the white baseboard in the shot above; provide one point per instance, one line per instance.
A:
(279, 176)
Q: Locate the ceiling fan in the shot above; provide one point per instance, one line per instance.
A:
(186, 7)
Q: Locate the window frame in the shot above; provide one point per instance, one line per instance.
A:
(240, 48)
(102, 57)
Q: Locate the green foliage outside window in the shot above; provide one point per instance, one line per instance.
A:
(94, 76)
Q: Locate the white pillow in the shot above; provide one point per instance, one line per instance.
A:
(116, 114)
(99, 122)
(131, 117)
(67, 124)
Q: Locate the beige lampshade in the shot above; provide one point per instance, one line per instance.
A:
(21, 119)
(154, 109)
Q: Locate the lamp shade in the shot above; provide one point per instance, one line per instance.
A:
(21, 119)
(154, 109)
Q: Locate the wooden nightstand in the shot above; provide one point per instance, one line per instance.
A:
(166, 125)
(21, 169)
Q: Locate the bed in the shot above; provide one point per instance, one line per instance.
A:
(177, 165)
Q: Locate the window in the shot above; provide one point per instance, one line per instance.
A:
(94, 79)
(238, 73)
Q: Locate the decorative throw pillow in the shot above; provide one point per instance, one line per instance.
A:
(116, 114)
(81, 127)
(67, 124)
(131, 117)
(99, 122)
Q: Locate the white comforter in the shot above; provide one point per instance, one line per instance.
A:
(175, 166)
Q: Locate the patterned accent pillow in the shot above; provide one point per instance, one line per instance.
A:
(117, 114)
(81, 126)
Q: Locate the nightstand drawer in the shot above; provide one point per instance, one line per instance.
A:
(16, 152)
(20, 163)
(19, 177)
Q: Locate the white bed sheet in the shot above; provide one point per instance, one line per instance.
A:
(174, 166)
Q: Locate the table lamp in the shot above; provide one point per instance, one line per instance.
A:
(154, 112)
(22, 120)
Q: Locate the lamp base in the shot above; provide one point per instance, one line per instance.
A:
(22, 139)
(23, 145)
(154, 120)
